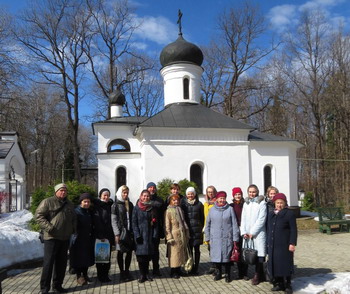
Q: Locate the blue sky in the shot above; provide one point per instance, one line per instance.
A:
(199, 21)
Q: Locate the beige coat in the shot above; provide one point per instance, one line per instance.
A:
(176, 233)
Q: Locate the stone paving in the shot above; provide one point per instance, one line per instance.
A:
(316, 253)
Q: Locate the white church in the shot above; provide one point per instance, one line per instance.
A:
(189, 140)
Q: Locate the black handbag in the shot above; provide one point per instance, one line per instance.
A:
(126, 239)
(249, 253)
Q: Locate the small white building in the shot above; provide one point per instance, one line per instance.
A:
(12, 172)
(189, 140)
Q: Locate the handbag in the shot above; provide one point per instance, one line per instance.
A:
(236, 254)
(189, 262)
(125, 238)
(249, 253)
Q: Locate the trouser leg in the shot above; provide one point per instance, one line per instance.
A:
(48, 262)
(60, 263)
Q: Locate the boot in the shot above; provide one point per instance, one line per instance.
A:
(227, 273)
(278, 284)
(242, 271)
(143, 272)
(218, 273)
(176, 273)
(122, 277)
(288, 288)
(257, 276)
(256, 279)
(211, 270)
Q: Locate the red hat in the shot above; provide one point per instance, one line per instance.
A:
(280, 196)
(220, 194)
(236, 190)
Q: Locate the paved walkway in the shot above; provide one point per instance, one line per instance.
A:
(316, 253)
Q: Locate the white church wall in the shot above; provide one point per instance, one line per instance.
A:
(109, 132)
(108, 164)
(173, 82)
(280, 156)
(225, 160)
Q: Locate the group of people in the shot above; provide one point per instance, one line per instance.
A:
(263, 223)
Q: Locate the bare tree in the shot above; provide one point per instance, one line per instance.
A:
(240, 28)
(53, 33)
(308, 68)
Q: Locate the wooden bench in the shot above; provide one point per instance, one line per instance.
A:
(3, 276)
(329, 216)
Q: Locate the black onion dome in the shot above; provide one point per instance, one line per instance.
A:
(117, 97)
(181, 51)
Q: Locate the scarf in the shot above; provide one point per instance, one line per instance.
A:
(144, 206)
(220, 205)
(178, 213)
(191, 202)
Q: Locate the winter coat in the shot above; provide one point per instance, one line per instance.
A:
(82, 248)
(176, 234)
(121, 219)
(103, 220)
(59, 225)
(221, 230)
(282, 231)
(194, 216)
(160, 206)
(253, 222)
(143, 227)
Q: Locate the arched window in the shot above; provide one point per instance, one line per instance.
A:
(196, 175)
(121, 177)
(186, 85)
(267, 177)
(118, 145)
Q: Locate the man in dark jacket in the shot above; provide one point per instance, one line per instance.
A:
(159, 204)
(57, 219)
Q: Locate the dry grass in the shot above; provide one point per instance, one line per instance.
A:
(306, 223)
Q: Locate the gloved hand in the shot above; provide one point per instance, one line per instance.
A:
(139, 240)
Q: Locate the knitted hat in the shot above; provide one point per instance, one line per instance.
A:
(191, 189)
(236, 190)
(59, 186)
(84, 196)
(103, 190)
(151, 184)
(280, 196)
(221, 194)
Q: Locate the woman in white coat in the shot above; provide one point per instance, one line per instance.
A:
(253, 228)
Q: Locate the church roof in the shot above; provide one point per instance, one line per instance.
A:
(188, 115)
(132, 120)
(5, 148)
(259, 136)
(181, 51)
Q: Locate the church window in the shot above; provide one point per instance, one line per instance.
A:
(267, 177)
(118, 145)
(121, 177)
(186, 86)
(196, 175)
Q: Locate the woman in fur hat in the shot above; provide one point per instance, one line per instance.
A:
(176, 234)
(253, 228)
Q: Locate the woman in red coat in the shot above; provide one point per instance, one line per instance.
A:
(281, 242)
